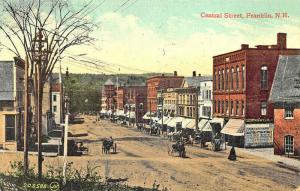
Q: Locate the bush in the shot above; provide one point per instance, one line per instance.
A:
(76, 180)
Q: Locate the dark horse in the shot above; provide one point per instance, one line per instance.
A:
(108, 144)
(177, 147)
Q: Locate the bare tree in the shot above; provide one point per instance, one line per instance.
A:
(26, 23)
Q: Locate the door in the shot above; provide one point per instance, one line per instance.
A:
(289, 144)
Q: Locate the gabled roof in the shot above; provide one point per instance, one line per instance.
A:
(286, 84)
(109, 82)
(195, 81)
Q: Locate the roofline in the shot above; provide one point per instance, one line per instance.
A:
(255, 49)
(165, 77)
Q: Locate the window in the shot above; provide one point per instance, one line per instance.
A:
(223, 79)
(55, 108)
(209, 94)
(219, 81)
(237, 108)
(226, 79)
(264, 77)
(237, 77)
(231, 79)
(289, 112)
(243, 108)
(226, 106)
(54, 98)
(215, 106)
(219, 107)
(222, 106)
(215, 80)
(231, 107)
(243, 77)
(289, 144)
(10, 124)
(263, 108)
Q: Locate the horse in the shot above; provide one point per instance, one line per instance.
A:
(177, 147)
(108, 144)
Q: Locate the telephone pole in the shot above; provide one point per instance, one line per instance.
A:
(39, 56)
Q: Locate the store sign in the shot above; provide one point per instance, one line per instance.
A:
(258, 135)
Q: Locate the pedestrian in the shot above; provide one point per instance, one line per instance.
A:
(232, 154)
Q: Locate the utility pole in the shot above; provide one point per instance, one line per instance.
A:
(26, 134)
(39, 56)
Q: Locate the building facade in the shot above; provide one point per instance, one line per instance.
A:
(56, 103)
(110, 94)
(242, 83)
(157, 83)
(285, 95)
(11, 103)
(205, 98)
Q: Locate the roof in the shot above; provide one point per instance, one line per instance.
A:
(7, 80)
(286, 84)
(55, 87)
(195, 81)
(109, 82)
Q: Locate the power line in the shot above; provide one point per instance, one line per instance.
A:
(120, 7)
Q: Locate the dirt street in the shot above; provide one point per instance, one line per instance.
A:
(143, 159)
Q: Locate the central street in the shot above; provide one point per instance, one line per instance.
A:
(144, 160)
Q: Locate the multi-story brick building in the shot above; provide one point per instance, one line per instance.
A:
(110, 93)
(285, 95)
(242, 83)
(160, 82)
(133, 101)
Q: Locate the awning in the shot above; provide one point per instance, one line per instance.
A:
(218, 120)
(234, 127)
(175, 120)
(147, 115)
(204, 125)
(191, 125)
(186, 121)
(166, 120)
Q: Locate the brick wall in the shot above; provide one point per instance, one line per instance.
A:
(283, 127)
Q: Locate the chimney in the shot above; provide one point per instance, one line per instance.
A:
(175, 73)
(281, 40)
(194, 73)
(199, 75)
(244, 46)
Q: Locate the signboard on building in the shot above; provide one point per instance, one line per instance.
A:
(259, 135)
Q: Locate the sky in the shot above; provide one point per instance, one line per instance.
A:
(138, 36)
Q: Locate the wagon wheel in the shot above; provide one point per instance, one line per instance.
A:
(115, 148)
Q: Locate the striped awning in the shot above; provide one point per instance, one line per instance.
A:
(234, 127)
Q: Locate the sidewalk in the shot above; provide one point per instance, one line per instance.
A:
(268, 153)
(46, 154)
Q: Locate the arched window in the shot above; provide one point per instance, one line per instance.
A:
(264, 77)
(289, 144)
(237, 77)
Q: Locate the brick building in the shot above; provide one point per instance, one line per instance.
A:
(160, 82)
(242, 83)
(133, 99)
(285, 95)
(109, 93)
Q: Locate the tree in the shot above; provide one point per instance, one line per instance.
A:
(41, 31)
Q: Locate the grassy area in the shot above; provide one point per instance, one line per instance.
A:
(76, 180)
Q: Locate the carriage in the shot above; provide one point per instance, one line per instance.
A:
(108, 145)
(177, 147)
